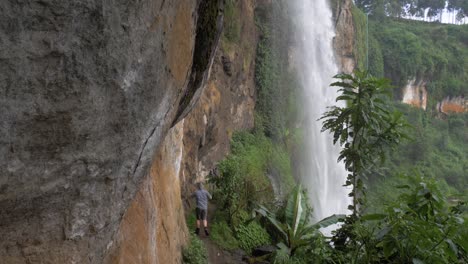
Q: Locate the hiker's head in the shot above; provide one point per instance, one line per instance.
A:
(199, 185)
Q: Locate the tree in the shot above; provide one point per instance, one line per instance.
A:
(433, 7)
(365, 128)
(460, 6)
(398, 8)
(364, 5)
(419, 227)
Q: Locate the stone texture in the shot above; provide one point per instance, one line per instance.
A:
(153, 229)
(226, 104)
(344, 41)
(415, 93)
(457, 104)
(88, 90)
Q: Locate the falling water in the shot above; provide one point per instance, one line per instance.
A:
(324, 177)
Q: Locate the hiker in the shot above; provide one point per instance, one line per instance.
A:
(202, 196)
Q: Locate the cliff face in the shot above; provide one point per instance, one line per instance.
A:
(226, 104)
(457, 104)
(92, 171)
(344, 41)
(89, 90)
(415, 94)
(153, 229)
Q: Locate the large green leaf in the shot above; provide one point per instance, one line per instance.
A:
(372, 217)
(295, 214)
(328, 221)
(281, 228)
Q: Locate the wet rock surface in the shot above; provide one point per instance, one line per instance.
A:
(226, 104)
(88, 90)
(344, 40)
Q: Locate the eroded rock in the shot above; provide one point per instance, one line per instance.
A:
(88, 90)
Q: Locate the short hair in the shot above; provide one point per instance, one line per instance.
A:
(200, 185)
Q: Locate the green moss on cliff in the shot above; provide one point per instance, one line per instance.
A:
(360, 49)
(278, 100)
(376, 64)
(436, 53)
(437, 149)
(231, 21)
(404, 49)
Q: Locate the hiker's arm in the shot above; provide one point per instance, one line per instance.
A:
(209, 195)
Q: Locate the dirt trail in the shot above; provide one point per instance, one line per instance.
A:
(215, 254)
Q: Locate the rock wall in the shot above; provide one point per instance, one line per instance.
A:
(344, 41)
(153, 229)
(88, 91)
(226, 104)
(415, 93)
(449, 105)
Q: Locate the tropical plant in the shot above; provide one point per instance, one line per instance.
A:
(295, 231)
(250, 234)
(242, 181)
(418, 227)
(364, 127)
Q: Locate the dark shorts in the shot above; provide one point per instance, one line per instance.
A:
(201, 214)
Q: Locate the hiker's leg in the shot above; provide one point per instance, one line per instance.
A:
(197, 212)
(205, 225)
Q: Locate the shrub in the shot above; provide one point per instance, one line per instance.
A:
(191, 220)
(222, 235)
(195, 252)
(251, 235)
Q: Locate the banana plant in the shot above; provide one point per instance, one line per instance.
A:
(295, 231)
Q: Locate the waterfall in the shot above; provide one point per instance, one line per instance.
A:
(323, 177)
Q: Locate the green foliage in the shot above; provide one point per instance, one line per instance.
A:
(438, 149)
(283, 257)
(295, 231)
(365, 128)
(223, 236)
(360, 49)
(413, 49)
(231, 21)
(376, 61)
(398, 8)
(278, 99)
(191, 220)
(195, 252)
(251, 235)
(416, 227)
(243, 180)
(403, 50)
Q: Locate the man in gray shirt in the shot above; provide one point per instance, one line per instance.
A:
(202, 197)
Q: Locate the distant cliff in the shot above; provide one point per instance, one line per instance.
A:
(426, 62)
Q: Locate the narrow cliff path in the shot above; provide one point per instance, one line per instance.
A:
(217, 255)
